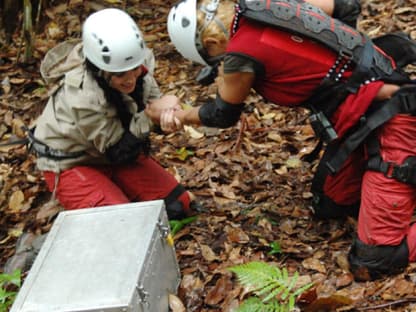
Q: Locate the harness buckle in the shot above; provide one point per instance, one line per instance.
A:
(388, 169)
(401, 173)
(408, 103)
(404, 173)
(322, 127)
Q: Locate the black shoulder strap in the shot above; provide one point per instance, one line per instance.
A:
(305, 19)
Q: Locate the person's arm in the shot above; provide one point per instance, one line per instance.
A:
(346, 11)
(189, 116)
(155, 107)
(326, 5)
(224, 111)
(234, 88)
(161, 112)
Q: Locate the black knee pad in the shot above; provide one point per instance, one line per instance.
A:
(369, 262)
(325, 208)
(175, 210)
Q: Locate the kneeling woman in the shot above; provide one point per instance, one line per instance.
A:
(92, 139)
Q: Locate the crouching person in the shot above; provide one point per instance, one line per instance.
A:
(363, 105)
(386, 234)
(92, 139)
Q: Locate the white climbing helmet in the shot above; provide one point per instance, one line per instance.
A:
(183, 29)
(112, 41)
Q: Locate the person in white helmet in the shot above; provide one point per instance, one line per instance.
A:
(92, 138)
(362, 104)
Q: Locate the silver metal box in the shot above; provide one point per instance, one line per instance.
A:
(113, 258)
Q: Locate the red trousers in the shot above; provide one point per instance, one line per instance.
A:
(387, 205)
(94, 186)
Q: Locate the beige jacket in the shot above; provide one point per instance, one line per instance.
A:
(77, 116)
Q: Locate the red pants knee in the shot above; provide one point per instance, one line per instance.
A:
(387, 205)
(94, 186)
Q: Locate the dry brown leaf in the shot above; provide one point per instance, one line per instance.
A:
(237, 235)
(193, 133)
(344, 279)
(16, 201)
(175, 304)
(314, 264)
(208, 254)
(217, 293)
(18, 127)
(330, 303)
(17, 81)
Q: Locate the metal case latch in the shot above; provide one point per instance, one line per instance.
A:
(143, 294)
(164, 230)
(165, 233)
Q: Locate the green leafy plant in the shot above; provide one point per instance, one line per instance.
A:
(275, 248)
(274, 290)
(177, 225)
(183, 153)
(9, 286)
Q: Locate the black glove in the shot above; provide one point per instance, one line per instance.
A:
(127, 149)
(347, 11)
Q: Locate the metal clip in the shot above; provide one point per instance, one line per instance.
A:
(164, 230)
(322, 127)
(143, 295)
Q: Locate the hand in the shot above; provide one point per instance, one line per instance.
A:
(155, 107)
(169, 122)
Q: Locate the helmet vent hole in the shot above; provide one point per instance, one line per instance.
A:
(106, 59)
(128, 58)
(185, 22)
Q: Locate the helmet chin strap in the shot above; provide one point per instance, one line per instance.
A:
(214, 60)
(210, 10)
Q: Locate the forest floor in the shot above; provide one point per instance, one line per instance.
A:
(252, 179)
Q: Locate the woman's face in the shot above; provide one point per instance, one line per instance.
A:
(125, 82)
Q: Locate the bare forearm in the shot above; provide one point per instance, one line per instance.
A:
(189, 116)
(326, 5)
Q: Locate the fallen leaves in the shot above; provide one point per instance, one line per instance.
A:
(252, 179)
(16, 201)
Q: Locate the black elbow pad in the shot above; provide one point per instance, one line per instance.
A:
(220, 114)
(347, 11)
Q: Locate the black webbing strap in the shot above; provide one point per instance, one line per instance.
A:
(332, 93)
(321, 173)
(362, 71)
(44, 150)
(405, 172)
(15, 142)
(174, 194)
(402, 102)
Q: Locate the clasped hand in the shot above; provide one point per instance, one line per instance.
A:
(162, 112)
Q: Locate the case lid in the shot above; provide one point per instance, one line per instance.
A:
(91, 259)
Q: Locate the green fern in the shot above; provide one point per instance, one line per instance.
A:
(9, 285)
(273, 287)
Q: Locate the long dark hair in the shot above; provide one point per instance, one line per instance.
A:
(115, 97)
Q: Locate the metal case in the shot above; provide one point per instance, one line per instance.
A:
(113, 258)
